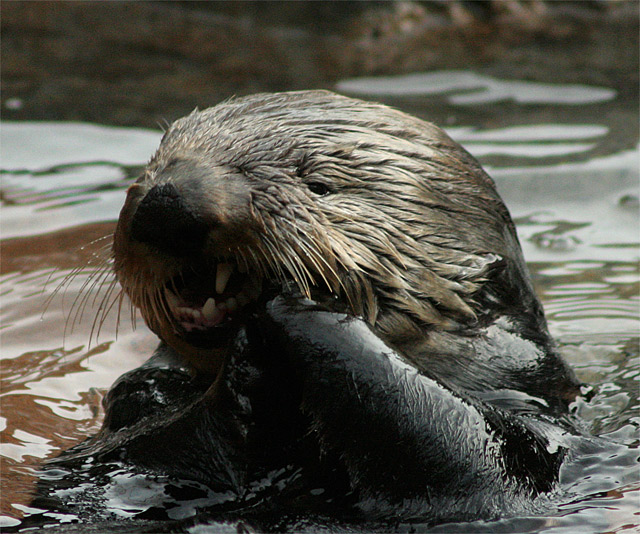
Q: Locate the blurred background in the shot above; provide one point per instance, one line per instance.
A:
(144, 63)
(543, 93)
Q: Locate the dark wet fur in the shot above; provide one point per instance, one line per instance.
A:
(311, 399)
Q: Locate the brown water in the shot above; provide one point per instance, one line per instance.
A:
(553, 153)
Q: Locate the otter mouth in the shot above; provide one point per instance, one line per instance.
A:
(205, 302)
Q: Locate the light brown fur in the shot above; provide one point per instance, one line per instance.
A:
(405, 237)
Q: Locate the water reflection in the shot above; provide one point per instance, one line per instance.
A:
(470, 88)
(63, 186)
(55, 176)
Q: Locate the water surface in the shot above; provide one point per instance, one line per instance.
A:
(572, 189)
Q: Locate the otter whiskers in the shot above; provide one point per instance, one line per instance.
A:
(99, 290)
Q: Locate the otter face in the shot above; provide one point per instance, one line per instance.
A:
(177, 256)
(310, 191)
(197, 241)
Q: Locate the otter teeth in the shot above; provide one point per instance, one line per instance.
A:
(214, 310)
(222, 276)
(209, 309)
(194, 319)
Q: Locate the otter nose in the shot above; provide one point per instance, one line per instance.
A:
(166, 222)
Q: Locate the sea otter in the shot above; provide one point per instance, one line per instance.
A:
(348, 327)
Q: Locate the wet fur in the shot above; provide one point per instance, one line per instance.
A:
(421, 383)
(411, 234)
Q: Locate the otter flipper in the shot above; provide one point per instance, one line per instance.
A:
(411, 446)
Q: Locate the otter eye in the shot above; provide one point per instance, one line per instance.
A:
(318, 188)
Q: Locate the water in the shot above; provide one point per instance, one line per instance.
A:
(570, 182)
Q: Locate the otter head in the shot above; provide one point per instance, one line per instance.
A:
(314, 191)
